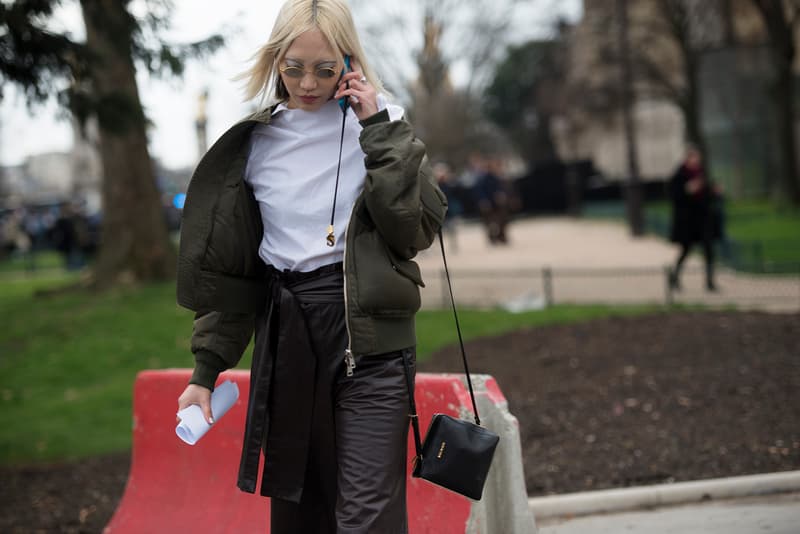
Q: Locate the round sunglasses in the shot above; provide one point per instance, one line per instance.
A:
(323, 73)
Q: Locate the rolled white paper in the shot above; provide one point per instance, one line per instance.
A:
(193, 425)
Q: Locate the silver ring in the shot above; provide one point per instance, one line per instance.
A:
(363, 79)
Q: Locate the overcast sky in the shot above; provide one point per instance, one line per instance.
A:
(172, 105)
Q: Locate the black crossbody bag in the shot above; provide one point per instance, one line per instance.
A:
(456, 454)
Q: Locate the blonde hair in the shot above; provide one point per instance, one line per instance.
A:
(332, 18)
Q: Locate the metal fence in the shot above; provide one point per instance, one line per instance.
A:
(526, 289)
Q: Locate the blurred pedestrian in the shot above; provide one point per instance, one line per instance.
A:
(476, 166)
(33, 225)
(328, 397)
(70, 235)
(14, 238)
(696, 214)
(494, 201)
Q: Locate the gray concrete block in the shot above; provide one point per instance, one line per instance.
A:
(504, 507)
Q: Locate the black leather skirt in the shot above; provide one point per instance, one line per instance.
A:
(334, 445)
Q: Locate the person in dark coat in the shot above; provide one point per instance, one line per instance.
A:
(70, 235)
(695, 214)
(493, 201)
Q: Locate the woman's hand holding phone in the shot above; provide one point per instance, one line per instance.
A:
(361, 95)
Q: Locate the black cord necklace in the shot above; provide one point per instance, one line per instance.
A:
(343, 103)
(331, 239)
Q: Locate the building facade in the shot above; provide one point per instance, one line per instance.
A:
(728, 41)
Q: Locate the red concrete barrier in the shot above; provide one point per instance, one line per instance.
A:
(174, 487)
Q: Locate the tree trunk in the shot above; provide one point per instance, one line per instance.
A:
(633, 192)
(780, 27)
(783, 98)
(691, 109)
(135, 243)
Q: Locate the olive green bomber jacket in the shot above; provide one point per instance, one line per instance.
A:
(222, 278)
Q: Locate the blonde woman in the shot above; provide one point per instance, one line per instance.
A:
(300, 226)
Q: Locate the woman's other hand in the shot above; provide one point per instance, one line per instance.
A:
(199, 395)
(694, 185)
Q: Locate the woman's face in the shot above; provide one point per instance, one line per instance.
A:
(309, 71)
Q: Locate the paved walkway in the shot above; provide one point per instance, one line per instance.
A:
(589, 261)
(774, 514)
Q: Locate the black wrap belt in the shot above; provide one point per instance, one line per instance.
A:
(279, 411)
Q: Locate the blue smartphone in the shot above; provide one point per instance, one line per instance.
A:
(344, 102)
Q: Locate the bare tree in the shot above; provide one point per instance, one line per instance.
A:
(674, 24)
(668, 39)
(418, 45)
(444, 117)
(781, 19)
(685, 30)
(666, 54)
(473, 36)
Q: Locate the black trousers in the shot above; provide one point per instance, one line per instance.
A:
(355, 479)
(708, 253)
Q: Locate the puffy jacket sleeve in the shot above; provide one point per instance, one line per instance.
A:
(218, 342)
(400, 193)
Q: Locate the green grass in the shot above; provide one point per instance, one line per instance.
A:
(760, 220)
(768, 234)
(777, 229)
(68, 361)
(750, 220)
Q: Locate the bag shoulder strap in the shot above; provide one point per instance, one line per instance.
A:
(411, 401)
(458, 329)
(412, 414)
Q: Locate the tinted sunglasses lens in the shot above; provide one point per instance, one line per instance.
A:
(293, 72)
(326, 73)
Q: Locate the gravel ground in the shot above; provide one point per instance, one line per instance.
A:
(630, 401)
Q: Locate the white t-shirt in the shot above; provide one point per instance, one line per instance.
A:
(292, 169)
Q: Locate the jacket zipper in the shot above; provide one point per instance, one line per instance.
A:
(349, 359)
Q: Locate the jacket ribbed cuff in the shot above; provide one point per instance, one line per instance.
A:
(207, 367)
(381, 116)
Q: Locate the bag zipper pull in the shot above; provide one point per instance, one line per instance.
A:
(349, 362)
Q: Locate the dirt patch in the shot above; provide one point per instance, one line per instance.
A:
(76, 497)
(608, 403)
(631, 401)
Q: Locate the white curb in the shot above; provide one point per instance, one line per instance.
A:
(615, 500)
